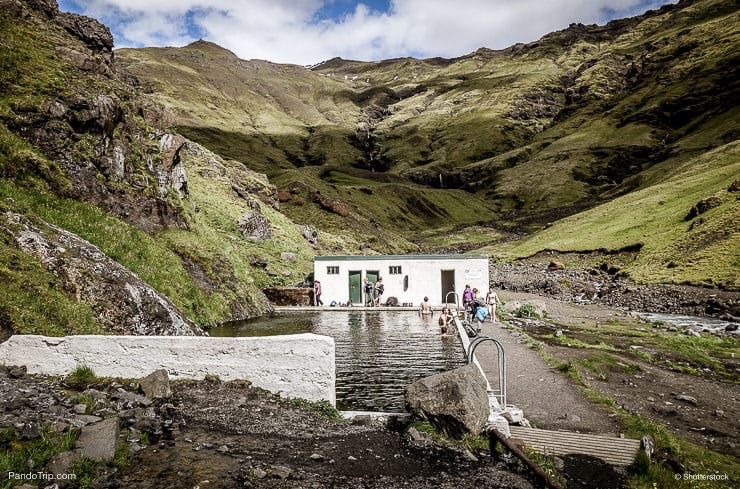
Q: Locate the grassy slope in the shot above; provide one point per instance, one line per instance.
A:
(654, 218)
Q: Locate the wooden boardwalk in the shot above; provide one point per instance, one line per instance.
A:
(614, 451)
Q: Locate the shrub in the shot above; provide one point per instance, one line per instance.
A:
(81, 377)
(527, 311)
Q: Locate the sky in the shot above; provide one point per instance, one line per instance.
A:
(307, 32)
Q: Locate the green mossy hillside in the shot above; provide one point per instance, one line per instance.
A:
(701, 250)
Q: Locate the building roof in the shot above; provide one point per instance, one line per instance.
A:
(400, 257)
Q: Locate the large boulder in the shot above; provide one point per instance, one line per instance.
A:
(455, 402)
(98, 441)
(156, 385)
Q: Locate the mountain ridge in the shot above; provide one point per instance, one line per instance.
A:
(532, 131)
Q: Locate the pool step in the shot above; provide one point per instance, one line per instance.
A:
(614, 451)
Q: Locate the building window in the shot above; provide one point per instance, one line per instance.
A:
(332, 270)
(394, 270)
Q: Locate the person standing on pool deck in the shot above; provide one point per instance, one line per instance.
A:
(317, 294)
(425, 309)
(492, 300)
(467, 295)
(379, 288)
(367, 288)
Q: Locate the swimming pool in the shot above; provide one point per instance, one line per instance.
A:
(378, 353)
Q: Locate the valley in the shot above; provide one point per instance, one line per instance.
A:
(160, 190)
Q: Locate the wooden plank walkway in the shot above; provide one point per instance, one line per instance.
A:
(614, 451)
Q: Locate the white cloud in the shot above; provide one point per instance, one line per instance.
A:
(286, 30)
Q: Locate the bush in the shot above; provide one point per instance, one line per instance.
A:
(81, 377)
(527, 311)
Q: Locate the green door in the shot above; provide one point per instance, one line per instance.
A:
(355, 287)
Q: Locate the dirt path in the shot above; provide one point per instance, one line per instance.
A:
(547, 397)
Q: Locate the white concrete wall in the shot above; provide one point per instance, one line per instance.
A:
(424, 276)
(299, 365)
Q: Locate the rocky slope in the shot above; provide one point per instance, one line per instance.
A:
(134, 228)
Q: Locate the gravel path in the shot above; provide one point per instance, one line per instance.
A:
(549, 399)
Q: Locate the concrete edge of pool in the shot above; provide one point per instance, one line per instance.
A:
(301, 365)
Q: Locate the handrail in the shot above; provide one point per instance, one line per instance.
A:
(501, 392)
(457, 298)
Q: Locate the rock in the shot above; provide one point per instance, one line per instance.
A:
(156, 385)
(80, 408)
(101, 114)
(287, 256)
(259, 473)
(131, 399)
(61, 462)
(28, 430)
(223, 449)
(558, 333)
(122, 302)
(254, 226)
(455, 402)
(418, 438)
(171, 174)
(17, 372)
(731, 327)
(284, 196)
(469, 455)
(689, 399)
(513, 415)
(555, 265)
(692, 332)
(48, 7)
(334, 205)
(98, 441)
(280, 471)
(81, 420)
(317, 456)
(257, 261)
(95, 35)
(352, 458)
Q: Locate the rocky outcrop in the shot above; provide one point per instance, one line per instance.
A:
(333, 205)
(121, 302)
(254, 225)
(455, 402)
(95, 35)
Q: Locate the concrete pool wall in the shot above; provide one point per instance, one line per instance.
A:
(301, 365)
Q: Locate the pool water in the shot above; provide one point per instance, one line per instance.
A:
(378, 353)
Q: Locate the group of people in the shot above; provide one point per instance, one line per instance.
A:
(476, 308)
(373, 291)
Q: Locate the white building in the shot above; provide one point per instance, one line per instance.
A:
(409, 278)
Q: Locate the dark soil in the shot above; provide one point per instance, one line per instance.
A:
(231, 435)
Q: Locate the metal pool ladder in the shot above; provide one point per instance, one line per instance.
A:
(500, 392)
